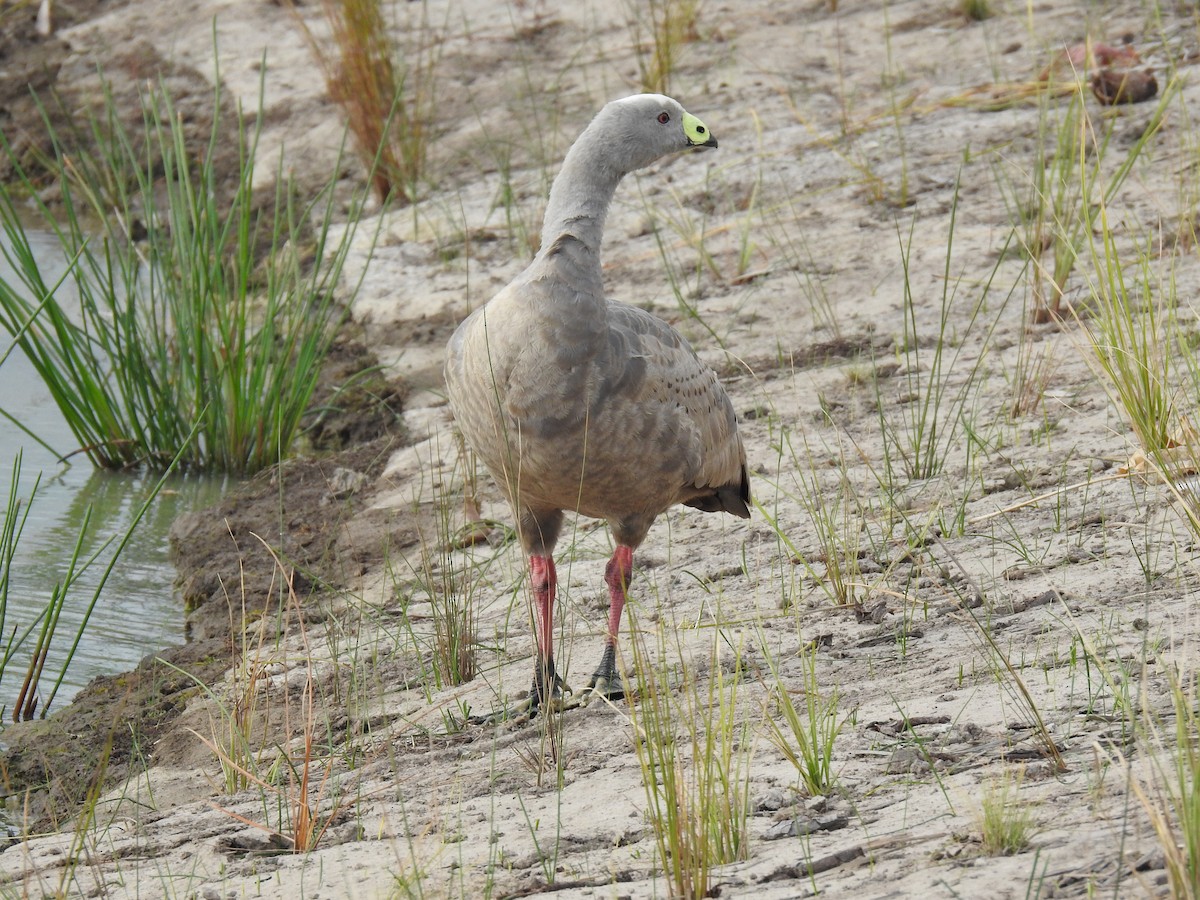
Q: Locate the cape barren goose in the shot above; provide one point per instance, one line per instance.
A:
(576, 402)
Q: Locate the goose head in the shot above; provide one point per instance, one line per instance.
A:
(641, 129)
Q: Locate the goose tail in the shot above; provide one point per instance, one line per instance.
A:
(733, 498)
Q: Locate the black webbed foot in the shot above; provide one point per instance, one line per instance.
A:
(547, 689)
(605, 683)
(546, 692)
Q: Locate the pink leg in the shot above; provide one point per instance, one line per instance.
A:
(617, 575)
(544, 580)
(606, 681)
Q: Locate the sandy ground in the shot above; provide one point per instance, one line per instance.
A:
(843, 136)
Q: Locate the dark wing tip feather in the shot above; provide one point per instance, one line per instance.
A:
(732, 498)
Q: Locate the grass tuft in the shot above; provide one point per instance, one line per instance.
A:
(1173, 801)
(389, 99)
(660, 28)
(921, 431)
(807, 736)
(695, 762)
(257, 751)
(1006, 823)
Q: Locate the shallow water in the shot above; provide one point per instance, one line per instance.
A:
(137, 611)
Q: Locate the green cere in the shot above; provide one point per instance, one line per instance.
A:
(697, 132)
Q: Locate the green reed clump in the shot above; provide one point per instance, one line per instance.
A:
(201, 305)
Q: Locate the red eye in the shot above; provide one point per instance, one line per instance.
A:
(664, 118)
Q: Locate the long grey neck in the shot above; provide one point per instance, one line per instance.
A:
(580, 195)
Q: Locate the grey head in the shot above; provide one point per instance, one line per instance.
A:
(641, 129)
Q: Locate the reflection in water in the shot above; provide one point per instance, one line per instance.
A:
(137, 612)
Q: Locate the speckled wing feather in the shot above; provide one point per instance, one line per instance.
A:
(686, 418)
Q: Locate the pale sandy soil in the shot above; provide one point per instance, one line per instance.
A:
(808, 331)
